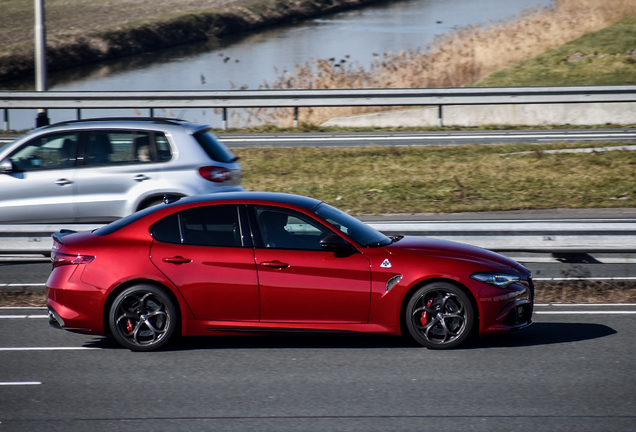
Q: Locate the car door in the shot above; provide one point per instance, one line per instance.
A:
(299, 281)
(205, 253)
(41, 185)
(117, 168)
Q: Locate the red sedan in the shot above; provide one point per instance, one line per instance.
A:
(253, 262)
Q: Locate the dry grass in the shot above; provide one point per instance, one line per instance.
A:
(586, 291)
(546, 292)
(453, 60)
(22, 298)
(74, 17)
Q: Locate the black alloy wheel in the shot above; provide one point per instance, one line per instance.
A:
(440, 316)
(143, 318)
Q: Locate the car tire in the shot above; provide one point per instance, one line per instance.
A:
(440, 315)
(143, 318)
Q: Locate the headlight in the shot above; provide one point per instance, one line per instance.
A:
(500, 280)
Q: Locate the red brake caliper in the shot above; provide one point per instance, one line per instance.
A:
(424, 318)
(129, 326)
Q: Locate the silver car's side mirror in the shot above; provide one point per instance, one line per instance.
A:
(6, 166)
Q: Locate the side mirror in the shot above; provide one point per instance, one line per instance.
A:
(335, 243)
(6, 166)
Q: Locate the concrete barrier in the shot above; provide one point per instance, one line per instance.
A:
(479, 115)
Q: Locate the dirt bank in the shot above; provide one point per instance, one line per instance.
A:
(69, 49)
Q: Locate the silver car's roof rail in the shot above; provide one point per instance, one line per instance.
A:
(157, 120)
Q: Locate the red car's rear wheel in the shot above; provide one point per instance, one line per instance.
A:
(142, 318)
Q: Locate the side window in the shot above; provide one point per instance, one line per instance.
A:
(117, 147)
(163, 148)
(287, 229)
(202, 226)
(57, 150)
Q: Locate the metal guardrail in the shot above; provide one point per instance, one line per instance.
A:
(315, 98)
(521, 236)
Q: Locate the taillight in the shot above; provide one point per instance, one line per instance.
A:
(215, 174)
(60, 259)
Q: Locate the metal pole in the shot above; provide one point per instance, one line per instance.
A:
(6, 119)
(152, 112)
(40, 59)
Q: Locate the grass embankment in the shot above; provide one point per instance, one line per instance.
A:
(85, 31)
(604, 57)
(380, 180)
(457, 59)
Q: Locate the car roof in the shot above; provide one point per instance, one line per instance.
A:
(126, 122)
(284, 198)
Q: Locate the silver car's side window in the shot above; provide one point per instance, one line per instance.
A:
(51, 151)
(122, 147)
(163, 148)
(116, 147)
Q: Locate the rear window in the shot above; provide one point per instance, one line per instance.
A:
(125, 221)
(213, 147)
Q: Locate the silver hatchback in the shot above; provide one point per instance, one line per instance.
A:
(101, 170)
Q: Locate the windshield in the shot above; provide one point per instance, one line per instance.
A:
(360, 232)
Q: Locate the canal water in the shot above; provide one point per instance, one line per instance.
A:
(248, 61)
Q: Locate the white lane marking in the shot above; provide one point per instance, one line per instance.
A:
(560, 260)
(592, 312)
(585, 304)
(584, 279)
(23, 316)
(433, 137)
(23, 307)
(21, 284)
(47, 348)
(20, 383)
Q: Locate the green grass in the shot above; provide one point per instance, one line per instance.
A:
(605, 57)
(379, 180)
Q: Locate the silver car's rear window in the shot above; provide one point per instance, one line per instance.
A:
(213, 147)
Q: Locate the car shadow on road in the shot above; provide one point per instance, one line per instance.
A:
(543, 334)
(537, 334)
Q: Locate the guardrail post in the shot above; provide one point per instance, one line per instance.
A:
(6, 120)
(152, 112)
(79, 113)
(440, 117)
(295, 116)
(224, 119)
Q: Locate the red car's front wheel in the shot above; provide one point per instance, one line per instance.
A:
(439, 316)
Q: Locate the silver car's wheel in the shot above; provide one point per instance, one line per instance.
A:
(439, 316)
(142, 318)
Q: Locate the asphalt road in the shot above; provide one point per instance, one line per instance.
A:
(573, 370)
(353, 139)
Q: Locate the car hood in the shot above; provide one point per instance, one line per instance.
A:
(424, 246)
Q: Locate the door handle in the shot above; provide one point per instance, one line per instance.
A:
(140, 178)
(275, 264)
(177, 260)
(63, 182)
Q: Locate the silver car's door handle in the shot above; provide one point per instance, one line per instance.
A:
(63, 182)
(141, 178)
